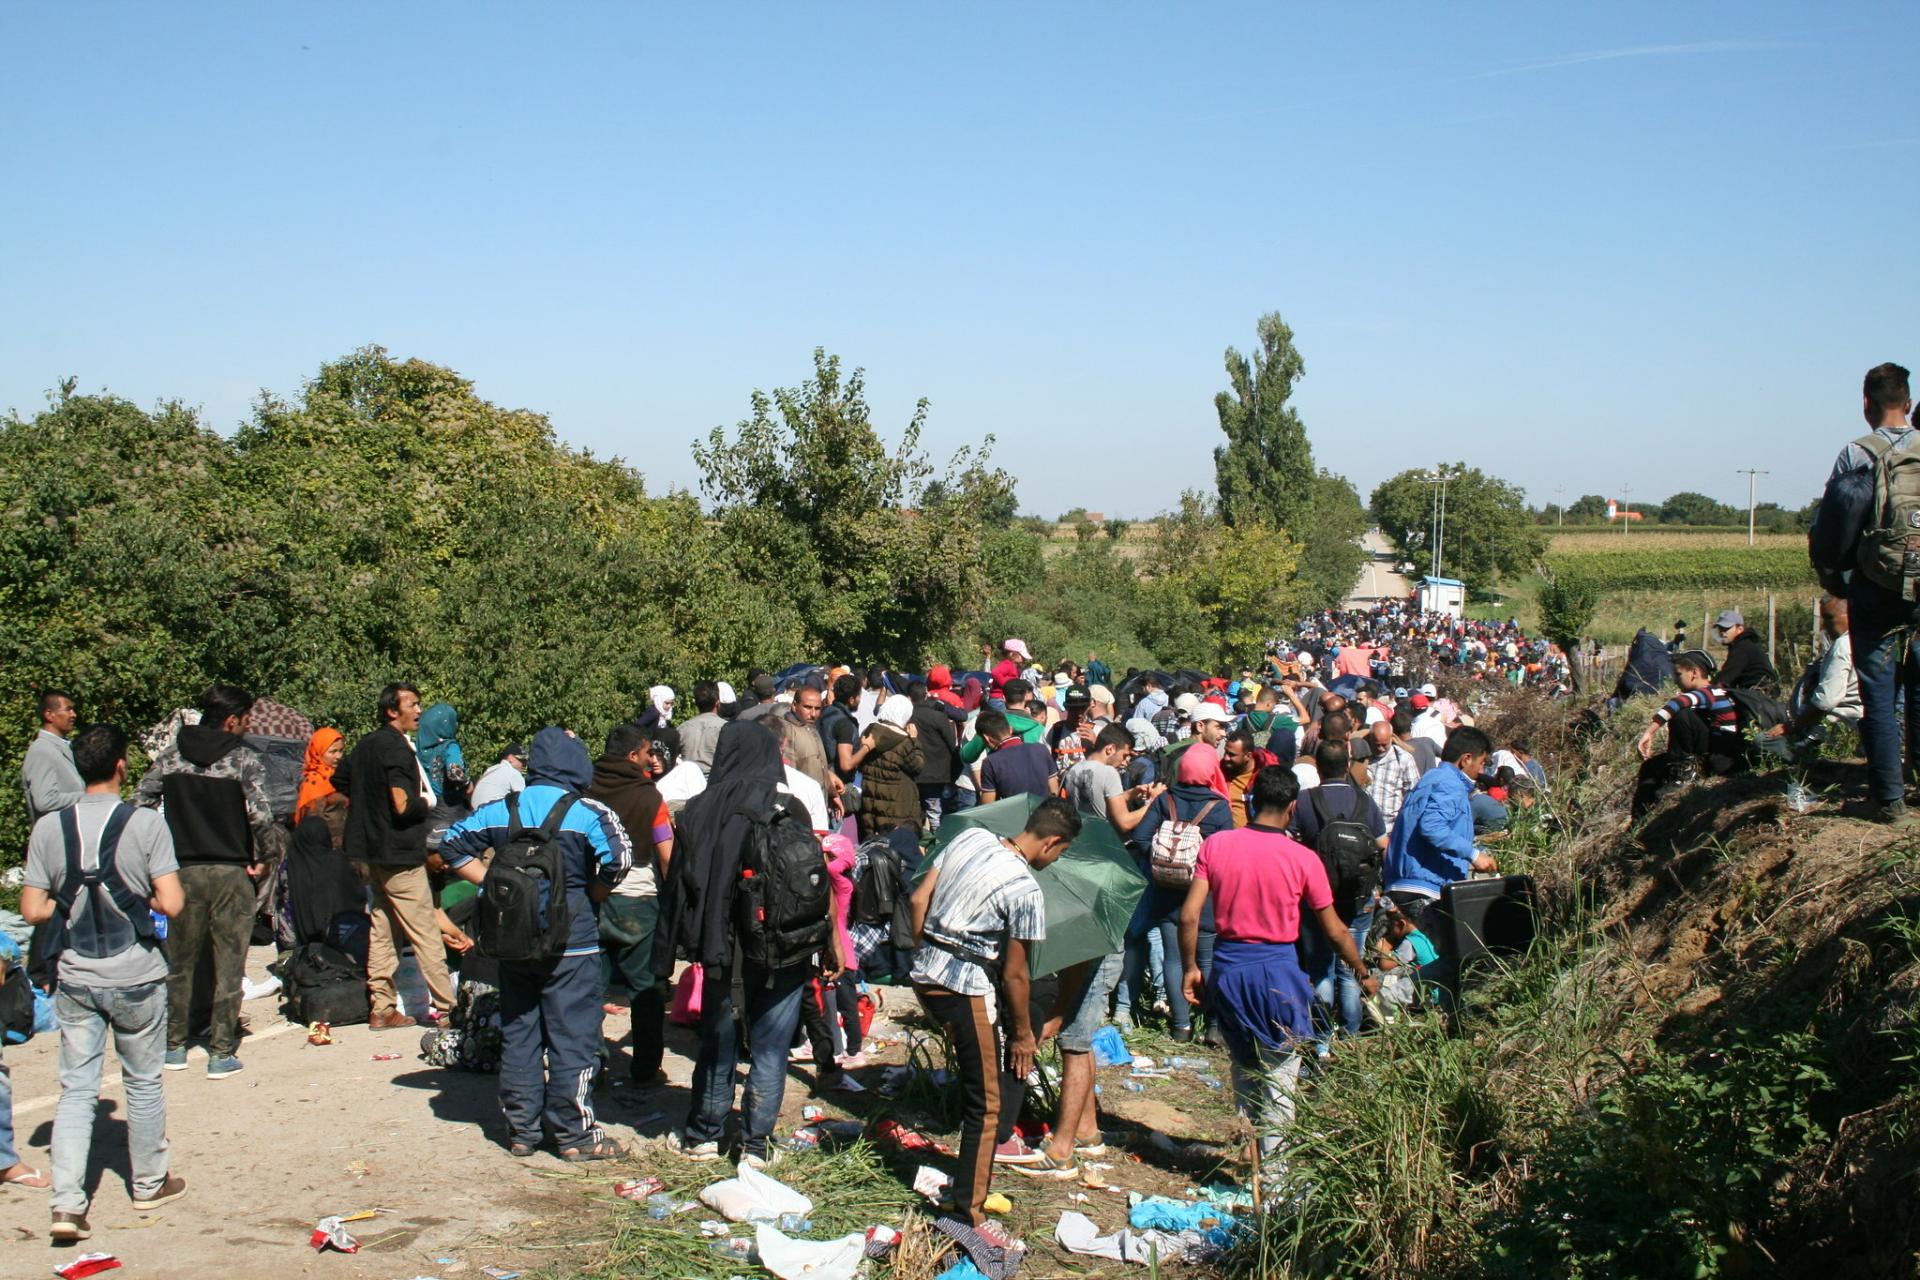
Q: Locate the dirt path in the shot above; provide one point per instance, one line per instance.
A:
(302, 1133)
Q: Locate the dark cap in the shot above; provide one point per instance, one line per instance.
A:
(517, 749)
(762, 686)
(1077, 696)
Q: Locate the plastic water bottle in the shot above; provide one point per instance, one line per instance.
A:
(736, 1250)
(1212, 1082)
(660, 1206)
(1191, 1064)
(795, 1224)
(1134, 1086)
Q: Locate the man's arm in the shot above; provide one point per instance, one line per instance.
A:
(922, 898)
(151, 790)
(1190, 911)
(1126, 818)
(253, 785)
(36, 905)
(1017, 988)
(168, 897)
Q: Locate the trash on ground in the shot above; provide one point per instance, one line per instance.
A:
(1109, 1050)
(386, 1057)
(810, 1259)
(811, 1112)
(319, 1033)
(880, 1239)
(713, 1228)
(931, 1183)
(750, 1193)
(996, 1203)
(660, 1206)
(1076, 1233)
(1230, 1197)
(962, 1270)
(740, 1250)
(87, 1264)
(803, 1139)
(891, 1133)
(499, 1273)
(638, 1189)
(331, 1233)
(1079, 1197)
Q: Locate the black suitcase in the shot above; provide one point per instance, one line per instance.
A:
(1485, 917)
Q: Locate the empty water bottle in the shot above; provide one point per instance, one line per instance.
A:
(660, 1206)
(737, 1249)
(1192, 1064)
(1134, 1086)
(1212, 1082)
(795, 1224)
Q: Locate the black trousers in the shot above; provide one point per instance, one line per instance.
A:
(992, 1093)
(843, 997)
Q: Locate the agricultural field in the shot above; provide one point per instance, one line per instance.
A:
(1665, 538)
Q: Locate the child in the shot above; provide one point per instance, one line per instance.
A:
(1703, 733)
(1403, 952)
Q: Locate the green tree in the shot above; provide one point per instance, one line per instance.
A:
(811, 502)
(1264, 473)
(1116, 529)
(1084, 530)
(1589, 508)
(1696, 508)
(1488, 529)
(1331, 553)
(1566, 610)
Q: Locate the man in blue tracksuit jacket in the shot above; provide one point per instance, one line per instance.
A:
(1432, 841)
(552, 1010)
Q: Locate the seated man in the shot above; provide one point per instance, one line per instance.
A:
(1829, 689)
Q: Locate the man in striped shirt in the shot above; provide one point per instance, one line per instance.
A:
(1703, 730)
(1392, 771)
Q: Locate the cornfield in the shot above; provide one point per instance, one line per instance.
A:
(1644, 568)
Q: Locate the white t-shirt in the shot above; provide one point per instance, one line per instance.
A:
(682, 783)
(1308, 775)
(809, 793)
(497, 783)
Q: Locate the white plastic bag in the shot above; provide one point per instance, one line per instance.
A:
(750, 1194)
(792, 1259)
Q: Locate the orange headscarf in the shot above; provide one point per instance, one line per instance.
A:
(316, 782)
(1200, 767)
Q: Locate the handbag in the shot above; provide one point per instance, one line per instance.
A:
(685, 1010)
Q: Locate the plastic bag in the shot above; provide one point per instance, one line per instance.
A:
(752, 1194)
(685, 1010)
(792, 1259)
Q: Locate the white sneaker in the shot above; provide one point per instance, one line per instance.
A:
(759, 1163)
(851, 1061)
(696, 1151)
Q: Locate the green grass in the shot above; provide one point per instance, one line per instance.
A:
(1620, 613)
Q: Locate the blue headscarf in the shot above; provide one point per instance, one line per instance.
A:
(434, 740)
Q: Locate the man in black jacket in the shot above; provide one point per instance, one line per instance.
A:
(1746, 666)
(389, 803)
(215, 790)
(939, 735)
(1880, 621)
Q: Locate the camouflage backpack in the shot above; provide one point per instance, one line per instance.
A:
(1890, 546)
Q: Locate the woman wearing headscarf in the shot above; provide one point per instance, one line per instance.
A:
(890, 796)
(444, 768)
(1198, 795)
(325, 749)
(659, 711)
(696, 923)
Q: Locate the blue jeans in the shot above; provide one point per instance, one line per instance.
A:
(550, 1050)
(8, 1156)
(1882, 628)
(137, 1016)
(773, 1012)
(1336, 992)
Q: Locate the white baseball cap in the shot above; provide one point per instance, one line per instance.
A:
(1210, 711)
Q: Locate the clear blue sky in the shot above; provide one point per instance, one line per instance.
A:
(1588, 246)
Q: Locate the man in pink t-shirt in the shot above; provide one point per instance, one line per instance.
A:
(1353, 660)
(1263, 883)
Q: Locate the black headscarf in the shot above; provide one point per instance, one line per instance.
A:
(698, 895)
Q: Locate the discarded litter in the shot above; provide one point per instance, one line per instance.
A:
(1188, 1064)
(810, 1113)
(1212, 1082)
(638, 1189)
(962, 1270)
(931, 1183)
(997, 1203)
(740, 1250)
(499, 1273)
(319, 1033)
(1134, 1086)
(881, 1238)
(660, 1206)
(386, 1057)
(87, 1264)
(330, 1233)
(1109, 1050)
(1076, 1233)
(795, 1224)
(893, 1134)
(803, 1139)
(810, 1259)
(713, 1228)
(751, 1193)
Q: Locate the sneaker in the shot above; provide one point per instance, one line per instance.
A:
(1093, 1147)
(170, 1190)
(69, 1227)
(851, 1061)
(1043, 1165)
(1181, 1035)
(759, 1163)
(221, 1068)
(1892, 813)
(698, 1151)
(176, 1059)
(800, 1053)
(1015, 1151)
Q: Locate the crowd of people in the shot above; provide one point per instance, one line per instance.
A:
(754, 869)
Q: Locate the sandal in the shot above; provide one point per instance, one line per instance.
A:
(605, 1149)
(28, 1177)
(521, 1150)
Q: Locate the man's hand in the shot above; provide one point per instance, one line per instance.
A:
(1020, 1052)
(1195, 986)
(1485, 863)
(455, 940)
(913, 730)
(1370, 984)
(1644, 744)
(1050, 1028)
(256, 869)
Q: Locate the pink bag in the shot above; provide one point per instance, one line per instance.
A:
(686, 997)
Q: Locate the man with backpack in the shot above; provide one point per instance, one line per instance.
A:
(748, 896)
(1865, 546)
(215, 791)
(555, 853)
(623, 781)
(1340, 821)
(97, 871)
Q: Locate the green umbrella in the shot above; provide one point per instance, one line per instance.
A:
(1091, 890)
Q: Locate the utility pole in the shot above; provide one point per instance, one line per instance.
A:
(1625, 507)
(1560, 506)
(1436, 478)
(1750, 473)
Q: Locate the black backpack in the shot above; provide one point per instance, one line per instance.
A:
(882, 896)
(324, 985)
(1347, 852)
(783, 903)
(524, 914)
(113, 917)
